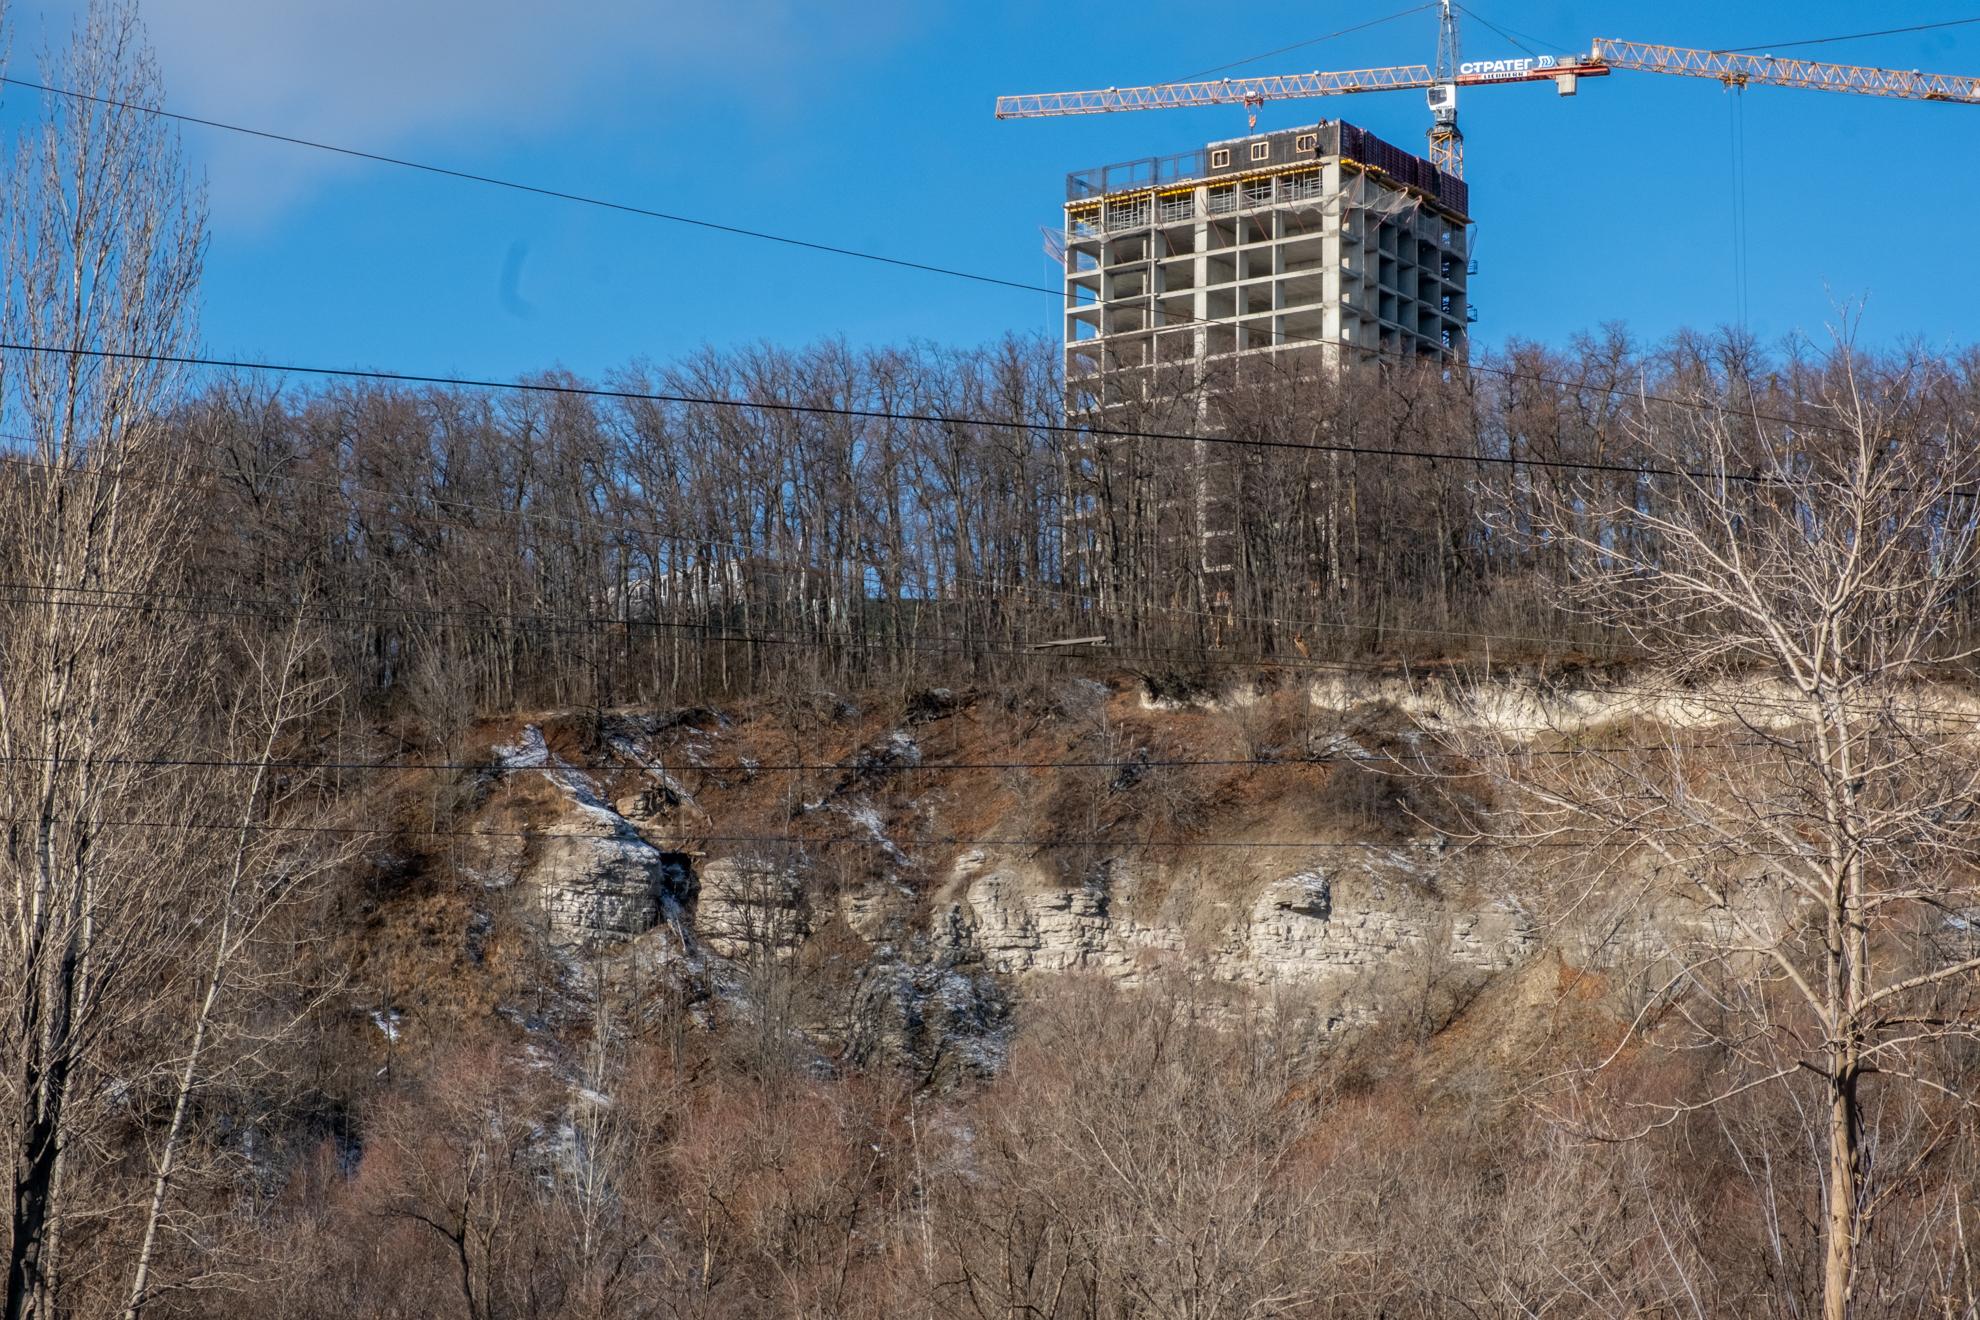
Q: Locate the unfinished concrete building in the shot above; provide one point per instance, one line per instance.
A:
(1323, 240)
(1291, 252)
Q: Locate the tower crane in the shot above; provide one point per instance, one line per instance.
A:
(1442, 82)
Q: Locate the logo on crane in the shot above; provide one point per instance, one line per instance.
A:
(1526, 64)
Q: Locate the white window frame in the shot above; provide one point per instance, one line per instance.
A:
(1220, 158)
(1261, 151)
(1306, 142)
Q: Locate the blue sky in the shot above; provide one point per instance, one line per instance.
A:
(869, 125)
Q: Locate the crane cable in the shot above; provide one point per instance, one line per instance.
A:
(1300, 45)
(1736, 134)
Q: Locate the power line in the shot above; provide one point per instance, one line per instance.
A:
(701, 540)
(1057, 292)
(581, 625)
(1443, 843)
(513, 185)
(710, 634)
(1050, 428)
(773, 405)
(1852, 36)
(821, 840)
(746, 768)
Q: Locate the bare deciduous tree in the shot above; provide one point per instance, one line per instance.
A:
(1804, 813)
(248, 871)
(100, 245)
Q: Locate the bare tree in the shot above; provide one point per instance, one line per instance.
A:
(1804, 818)
(263, 870)
(100, 245)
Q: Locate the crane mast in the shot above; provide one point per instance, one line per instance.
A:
(1446, 142)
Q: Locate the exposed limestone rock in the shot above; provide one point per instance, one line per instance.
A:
(750, 903)
(1522, 710)
(596, 880)
(1336, 933)
(1296, 933)
(598, 883)
(1020, 922)
(877, 909)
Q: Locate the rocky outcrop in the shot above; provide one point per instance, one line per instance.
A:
(1387, 916)
(1019, 922)
(751, 903)
(598, 882)
(1520, 710)
(1339, 926)
(1338, 930)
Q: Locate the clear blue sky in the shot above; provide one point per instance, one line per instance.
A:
(869, 125)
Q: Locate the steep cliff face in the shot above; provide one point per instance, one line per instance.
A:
(1255, 879)
(592, 876)
(918, 862)
(1524, 707)
(749, 904)
(1341, 932)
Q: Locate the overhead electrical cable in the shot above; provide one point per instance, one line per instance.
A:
(1388, 850)
(580, 625)
(538, 190)
(1053, 291)
(1854, 36)
(1291, 760)
(1049, 428)
(702, 540)
(707, 634)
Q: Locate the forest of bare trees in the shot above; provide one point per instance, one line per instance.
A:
(227, 595)
(612, 546)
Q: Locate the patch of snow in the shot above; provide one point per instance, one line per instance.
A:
(868, 818)
(486, 879)
(1339, 746)
(527, 753)
(388, 1021)
(652, 770)
(530, 751)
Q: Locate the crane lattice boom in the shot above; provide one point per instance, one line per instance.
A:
(1739, 70)
(1285, 87)
(1607, 54)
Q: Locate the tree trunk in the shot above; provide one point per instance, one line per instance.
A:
(1842, 1220)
